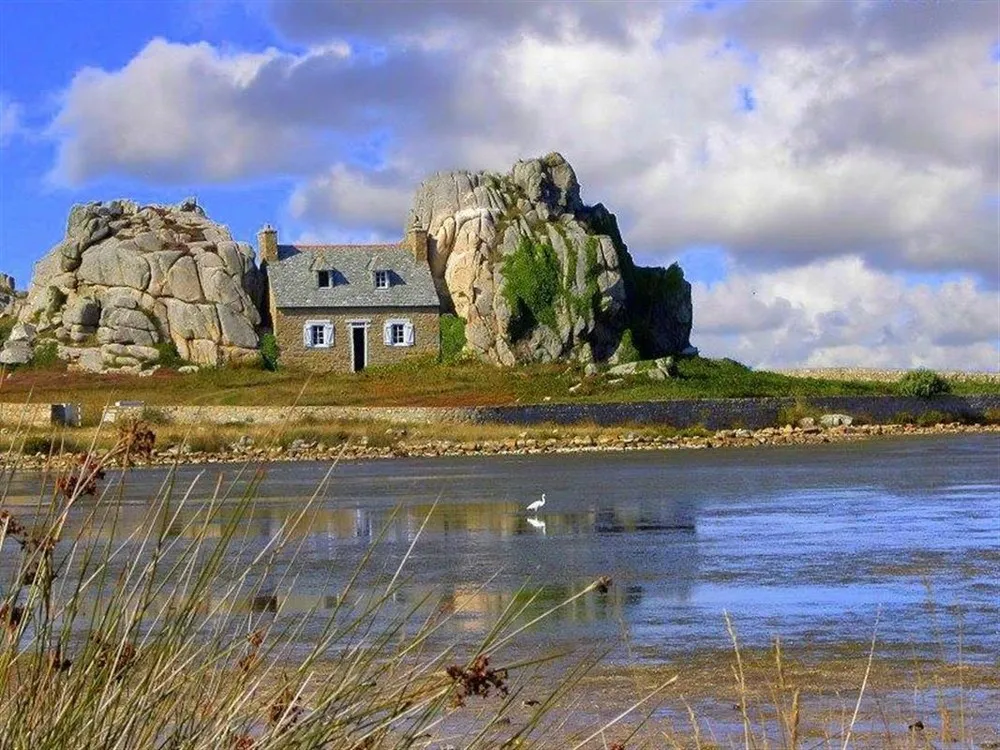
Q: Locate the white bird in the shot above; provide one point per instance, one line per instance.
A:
(537, 504)
(537, 524)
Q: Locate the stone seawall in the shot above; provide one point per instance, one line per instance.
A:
(715, 414)
(750, 413)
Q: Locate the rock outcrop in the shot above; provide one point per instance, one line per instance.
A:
(537, 275)
(128, 278)
(10, 300)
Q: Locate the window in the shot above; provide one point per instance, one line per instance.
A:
(317, 334)
(398, 333)
(381, 279)
(324, 279)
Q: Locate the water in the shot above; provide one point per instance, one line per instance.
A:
(812, 544)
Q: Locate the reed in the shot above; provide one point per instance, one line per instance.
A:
(176, 635)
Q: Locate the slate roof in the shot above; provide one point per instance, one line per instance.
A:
(294, 283)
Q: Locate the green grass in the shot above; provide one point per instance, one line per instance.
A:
(427, 382)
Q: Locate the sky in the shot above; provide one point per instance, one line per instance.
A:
(826, 173)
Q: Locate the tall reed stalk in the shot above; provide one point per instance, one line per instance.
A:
(171, 636)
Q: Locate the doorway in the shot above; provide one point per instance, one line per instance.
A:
(359, 347)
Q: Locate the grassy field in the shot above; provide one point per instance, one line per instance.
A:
(428, 383)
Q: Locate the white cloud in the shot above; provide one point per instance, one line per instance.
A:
(843, 312)
(874, 136)
(355, 198)
(885, 144)
(11, 119)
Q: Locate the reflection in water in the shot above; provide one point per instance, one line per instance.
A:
(535, 523)
(803, 542)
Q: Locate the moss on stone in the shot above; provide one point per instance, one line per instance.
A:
(533, 285)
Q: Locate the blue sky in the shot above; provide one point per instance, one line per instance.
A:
(826, 173)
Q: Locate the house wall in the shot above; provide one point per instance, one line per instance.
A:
(288, 325)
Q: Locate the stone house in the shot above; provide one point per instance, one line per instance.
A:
(342, 308)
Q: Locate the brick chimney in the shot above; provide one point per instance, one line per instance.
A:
(416, 240)
(267, 244)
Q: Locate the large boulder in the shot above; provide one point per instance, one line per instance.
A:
(136, 276)
(537, 275)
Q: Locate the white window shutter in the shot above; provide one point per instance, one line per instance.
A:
(307, 335)
(408, 333)
(329, 334)
(387, 334)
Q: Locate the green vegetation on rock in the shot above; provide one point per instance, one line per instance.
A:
(452, 338)
(45, 354)
(532, 286)
(7, 323)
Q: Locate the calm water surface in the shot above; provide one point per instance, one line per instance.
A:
(809, 543)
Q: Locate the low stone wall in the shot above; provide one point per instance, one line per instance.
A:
(715, 414)
(25, 415)
(750, 413)
(884, 375)
(298, 414)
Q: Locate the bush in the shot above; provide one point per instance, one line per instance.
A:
(627, 351)
(36, 444)
(169, 356)
(452, 338)
(269, 352)
(923, 383)
(791, 415)
(47, 444)
(45, 354)
(933, 417)
(154, 415)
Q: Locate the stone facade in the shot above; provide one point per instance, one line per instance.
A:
(289, 324)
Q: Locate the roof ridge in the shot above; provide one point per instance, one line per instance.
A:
(344, 246)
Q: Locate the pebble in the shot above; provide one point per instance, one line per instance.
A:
(241, 452)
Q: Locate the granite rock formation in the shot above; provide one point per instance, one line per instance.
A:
(127, 279)
(537, 275)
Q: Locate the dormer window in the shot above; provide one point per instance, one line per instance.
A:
(324, 279)
(381, 279)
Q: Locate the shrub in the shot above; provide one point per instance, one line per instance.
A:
(923, 383)
(452, 338)
(627, 351)
(269, 352)
(798, 411)
(45, 354)
(36, 444)
(932, 417)
(169, 356)
(153, 415)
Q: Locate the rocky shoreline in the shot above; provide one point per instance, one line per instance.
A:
(247, 450)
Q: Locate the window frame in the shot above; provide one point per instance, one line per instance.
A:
(383, 275)
(309, 330)
(320, 273)
(406, 326)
